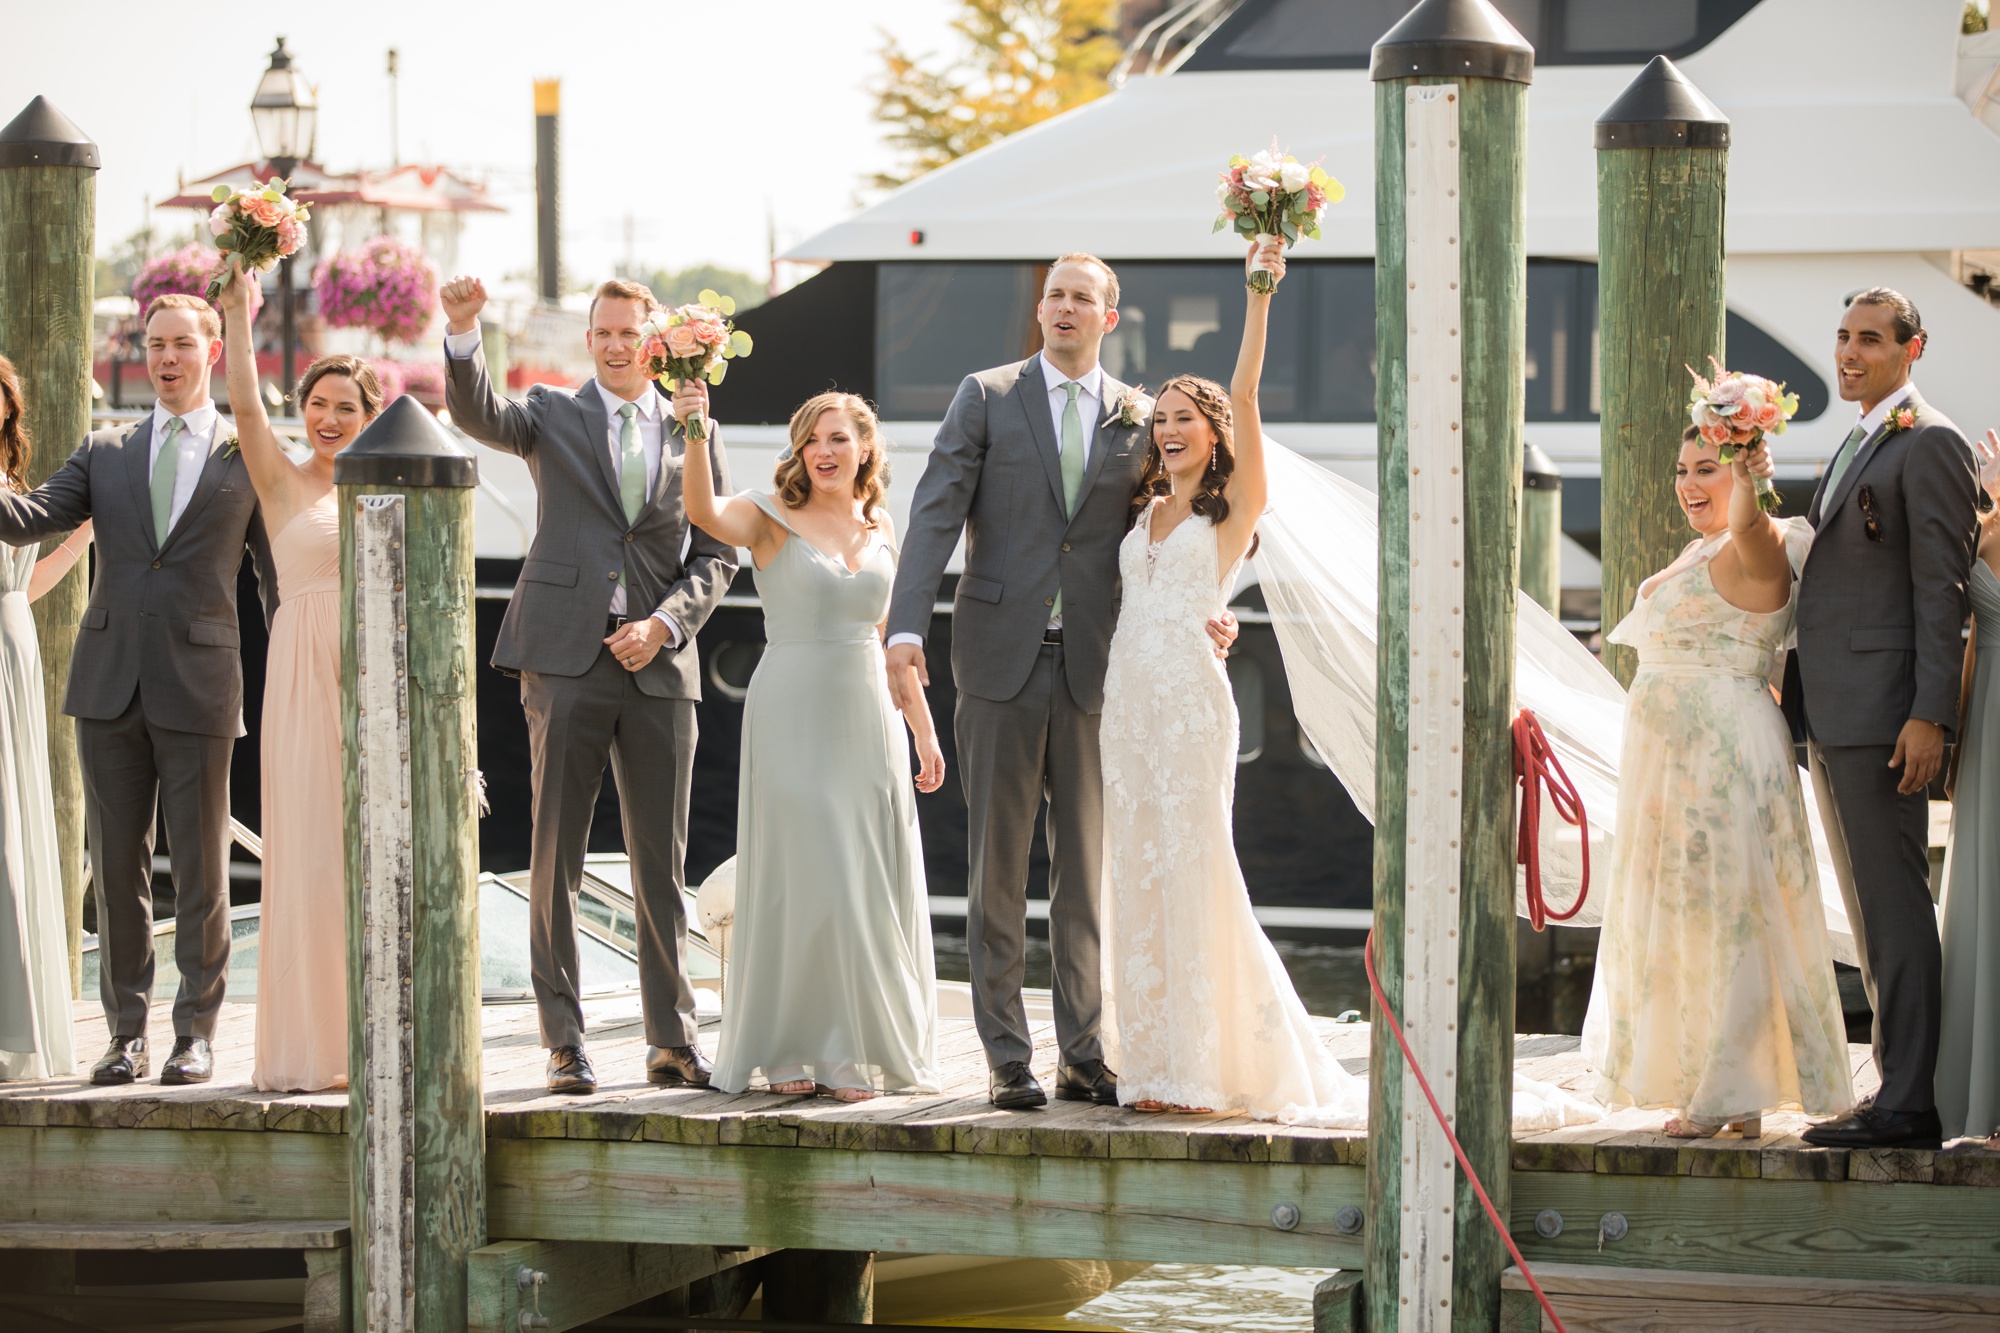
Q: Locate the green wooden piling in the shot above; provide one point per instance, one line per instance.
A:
(1541, 529)
(48, 238)
(407, 693)
(1662, 172)
(1469, 45)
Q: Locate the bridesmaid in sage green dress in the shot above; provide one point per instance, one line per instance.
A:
(832, 985)
(1968, 1067)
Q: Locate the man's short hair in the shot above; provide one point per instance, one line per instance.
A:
(622, 290)
(1110, 277)
(1902, 312)
(211, 323)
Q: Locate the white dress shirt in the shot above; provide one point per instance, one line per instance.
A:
(651, 420)
(197, 438)
(1089, 406)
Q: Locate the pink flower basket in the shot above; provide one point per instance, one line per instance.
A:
(386, 287)
(184, 272)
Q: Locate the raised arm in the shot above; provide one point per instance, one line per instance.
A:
(1755, 537)
(711, 562)
(732, 519)
(280, 488)
(475, 408)
(1247, 487)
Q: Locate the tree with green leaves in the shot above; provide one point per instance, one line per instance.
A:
(1022, 61)
(678, 288)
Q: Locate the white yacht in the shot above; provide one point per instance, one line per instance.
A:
(1865, 150)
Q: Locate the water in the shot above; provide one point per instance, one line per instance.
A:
(1330, 978)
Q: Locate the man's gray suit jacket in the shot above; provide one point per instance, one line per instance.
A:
(162, 615)
(1880, 622)
(555, 623)
(995, 473)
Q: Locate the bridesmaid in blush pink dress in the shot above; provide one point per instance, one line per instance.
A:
(302, 955)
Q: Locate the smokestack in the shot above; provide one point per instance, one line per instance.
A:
(548, 236)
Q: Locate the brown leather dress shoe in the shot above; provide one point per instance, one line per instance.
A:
(190, 1061)
(677, 1066)
(569, 1071)
(124, 1061)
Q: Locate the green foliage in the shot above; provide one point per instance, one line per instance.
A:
(1975, 17)
(1023, 61)
(685, 285)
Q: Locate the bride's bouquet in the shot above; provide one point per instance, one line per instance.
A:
(1270, 195)
(693, 342)
(1735, 412)
(259, 226)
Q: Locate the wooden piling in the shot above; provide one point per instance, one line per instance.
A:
(822, 1286)
(1541, 528)
(48, 236)
(417, 1141)
(1451, 272)
(1662, 172)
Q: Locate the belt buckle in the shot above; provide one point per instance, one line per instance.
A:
(1052, 637)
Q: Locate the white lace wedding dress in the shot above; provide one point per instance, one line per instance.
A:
(1199, 1009)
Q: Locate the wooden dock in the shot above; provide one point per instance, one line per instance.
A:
(637, 1166)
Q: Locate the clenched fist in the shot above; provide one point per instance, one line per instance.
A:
(462, 298)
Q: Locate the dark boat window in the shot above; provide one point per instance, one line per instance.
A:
(1338, 34)
(1187, 319)
(1343, 351)
(937, 323)
(1757, 352)
(1246, 682)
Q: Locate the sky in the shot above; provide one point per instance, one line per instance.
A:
(691, 118)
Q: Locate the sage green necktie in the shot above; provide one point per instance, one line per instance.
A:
(631, 468)
(166, 465)
(1843, 458)
(1072, 463)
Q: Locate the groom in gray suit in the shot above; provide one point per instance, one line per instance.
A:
(156, 686)
(1873, 688)
(601, 632)
(1036, 463)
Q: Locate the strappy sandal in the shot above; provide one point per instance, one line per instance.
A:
(849, 1095)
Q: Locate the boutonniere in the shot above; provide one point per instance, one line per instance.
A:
(231, 447)
(1134, 408)
(1901, 418)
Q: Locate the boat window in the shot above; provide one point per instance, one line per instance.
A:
(1753, 350)
(1562, 332)
(935, 323)
(1343, 350)
(734, 661)
(1246, 682)
(1339, 34)
(1187, 319)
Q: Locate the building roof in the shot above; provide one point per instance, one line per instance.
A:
(407, 189)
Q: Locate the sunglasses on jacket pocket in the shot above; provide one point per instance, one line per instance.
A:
(1871, 526)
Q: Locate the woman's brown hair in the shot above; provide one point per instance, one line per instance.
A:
(352, 367)
(15, 446)
(871, 480)
(1212, 401)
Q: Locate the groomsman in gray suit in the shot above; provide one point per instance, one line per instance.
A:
(1036, 463)
(601, 632)
(156, 686)
(1873, 688)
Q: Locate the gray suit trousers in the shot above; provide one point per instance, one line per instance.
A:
(1037, 745)
(574, 724)
(131, 770)
(1880, 841)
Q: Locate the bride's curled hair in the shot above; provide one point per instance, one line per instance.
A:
(1212, 401)
(871, 480)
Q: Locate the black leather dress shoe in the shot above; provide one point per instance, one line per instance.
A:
(1014, 1089)
(677, 1066)
(1877, 1127)
(570, 1071)
(190, 1061)
(1087, 1081)
(124, 1061)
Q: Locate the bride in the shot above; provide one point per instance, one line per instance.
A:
(1204, 1016)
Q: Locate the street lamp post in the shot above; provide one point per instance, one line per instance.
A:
(286, 113)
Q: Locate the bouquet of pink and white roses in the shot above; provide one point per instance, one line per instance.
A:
(1271, 195)
(259, 226)
(1735, 412)
(693, 342)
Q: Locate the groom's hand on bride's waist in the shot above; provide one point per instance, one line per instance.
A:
(900, 658)
(1224, 629)
(1919, 753)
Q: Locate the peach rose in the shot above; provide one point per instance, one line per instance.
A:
(682, 340)
(1768, 416)
(711, 332)
(262, 211)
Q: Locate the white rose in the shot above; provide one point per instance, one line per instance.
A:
(1294, 175)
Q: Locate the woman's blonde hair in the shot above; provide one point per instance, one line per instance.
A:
(871, 480)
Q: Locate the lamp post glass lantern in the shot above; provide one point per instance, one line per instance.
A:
(286, 114)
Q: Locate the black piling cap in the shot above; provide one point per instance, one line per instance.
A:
(1661, 109)
(1467, 39)
(405, 446)
(42, 136)
(1538, 471)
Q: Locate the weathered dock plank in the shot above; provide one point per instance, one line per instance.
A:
(65, 1174)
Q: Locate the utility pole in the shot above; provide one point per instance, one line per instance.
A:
(395, 128)
(1451, 104)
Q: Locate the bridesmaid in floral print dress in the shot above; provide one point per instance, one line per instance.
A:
(1715, 995)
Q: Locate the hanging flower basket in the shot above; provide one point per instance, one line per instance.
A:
(184, 272)
(386, 287)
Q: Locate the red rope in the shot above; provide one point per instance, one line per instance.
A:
(1492, 1213)
(1535, 764)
